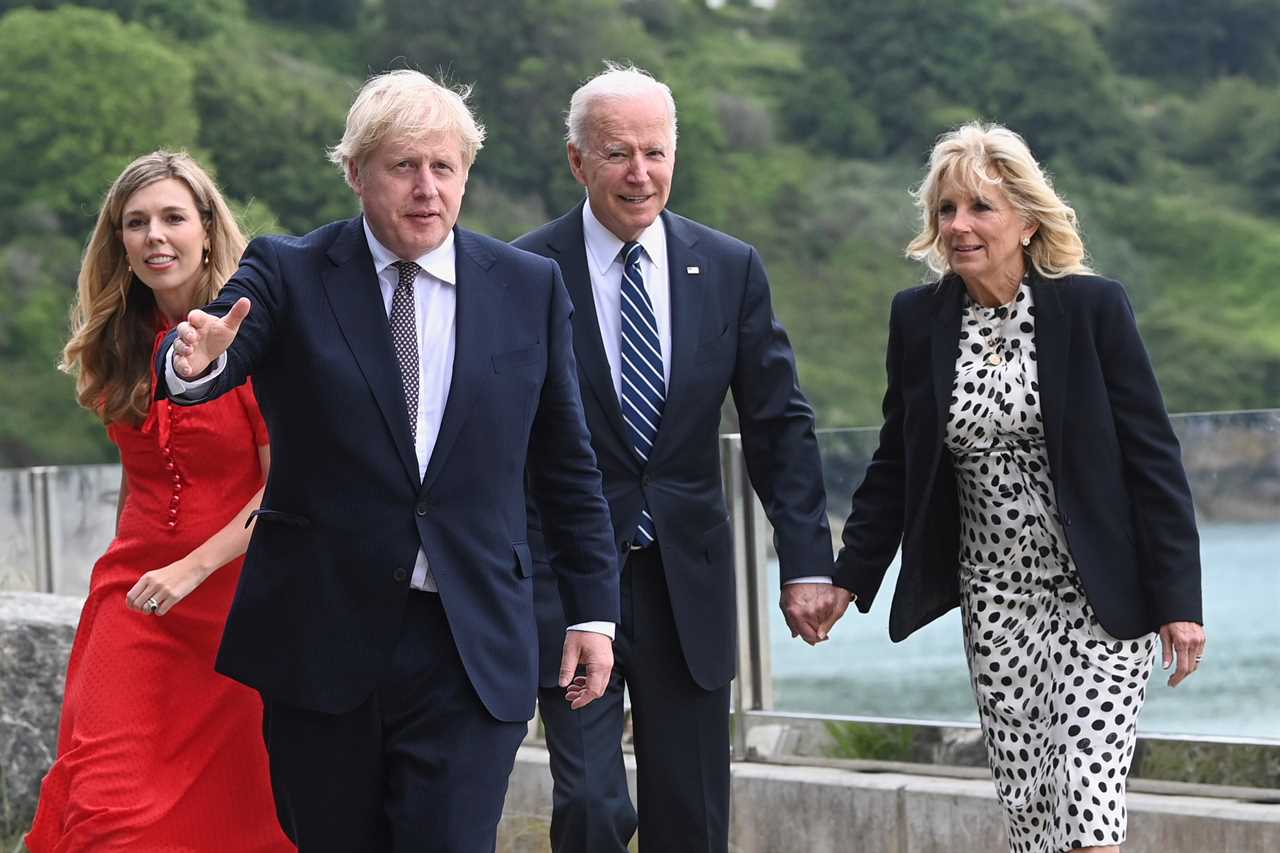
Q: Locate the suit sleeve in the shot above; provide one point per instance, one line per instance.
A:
(258, 279)
(565, 482)
(778, 438)
(873, 530)
(1168, 543)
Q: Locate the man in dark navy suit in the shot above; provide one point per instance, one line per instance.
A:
(670, 315)
(410, 373)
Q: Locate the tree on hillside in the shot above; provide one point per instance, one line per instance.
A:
(1055, 85)
(82, 94)
(267, 121)
(1194, 41)
(883, 77)
(525, 58)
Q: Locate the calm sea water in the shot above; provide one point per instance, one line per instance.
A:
(1236, 692)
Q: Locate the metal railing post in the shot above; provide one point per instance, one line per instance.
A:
(754, 688)
(41, 527)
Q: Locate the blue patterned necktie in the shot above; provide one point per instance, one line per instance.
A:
(643, 388)
(404, 336)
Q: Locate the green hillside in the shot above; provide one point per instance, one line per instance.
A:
(801, 130)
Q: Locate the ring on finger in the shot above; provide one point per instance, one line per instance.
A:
(151, 606)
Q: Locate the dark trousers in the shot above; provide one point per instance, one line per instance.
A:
(681, 737)
(420, 766)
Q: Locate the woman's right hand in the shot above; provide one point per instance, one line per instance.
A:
(165, 587)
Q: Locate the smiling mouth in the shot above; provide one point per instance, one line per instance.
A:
(964, 250)
(161, 260)
(635, 199)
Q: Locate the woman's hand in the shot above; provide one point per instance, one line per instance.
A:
(167, 586)
(1186, 641)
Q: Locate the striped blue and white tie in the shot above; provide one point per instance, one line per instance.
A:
(643, 388)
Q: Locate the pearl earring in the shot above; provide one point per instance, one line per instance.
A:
(1026, 241)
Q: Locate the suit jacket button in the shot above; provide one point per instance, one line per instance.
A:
(399, 575)
(421, 508)
(644, 481)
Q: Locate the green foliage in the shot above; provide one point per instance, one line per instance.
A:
(82, 94)
(525, 60)
(333, 13)
(181, 18)
(40, 421)
(268, 124)
(901, 64)
(869, 741)
(1190, 41)
(800, 131)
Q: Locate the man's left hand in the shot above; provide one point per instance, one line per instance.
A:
(812, 608)
(592, 651)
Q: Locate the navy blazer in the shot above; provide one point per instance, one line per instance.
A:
(1117, 470)
(318, 610)
(723, 336)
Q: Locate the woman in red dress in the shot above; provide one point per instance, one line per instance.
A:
(156, 751)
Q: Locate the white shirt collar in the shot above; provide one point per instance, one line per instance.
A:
(603, 245)
(440, 262)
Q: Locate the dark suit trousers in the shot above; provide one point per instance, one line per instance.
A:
(681, 736)
(419, 766)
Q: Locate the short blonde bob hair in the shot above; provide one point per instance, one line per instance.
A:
(979, 156)
(406, 104)
(114, 320)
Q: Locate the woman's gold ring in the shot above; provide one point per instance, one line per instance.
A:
(151, 606)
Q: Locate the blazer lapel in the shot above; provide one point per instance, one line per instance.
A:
(351, 287)
(944, 343)
(1053, 340)
(479, 296)
(686, 294)
(569, 249)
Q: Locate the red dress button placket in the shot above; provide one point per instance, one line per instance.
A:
(172, 468)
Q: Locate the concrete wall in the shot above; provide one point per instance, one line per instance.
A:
(804, 809)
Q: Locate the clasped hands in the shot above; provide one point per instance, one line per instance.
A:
(812, 608)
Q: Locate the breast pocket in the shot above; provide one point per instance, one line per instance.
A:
(512, 360)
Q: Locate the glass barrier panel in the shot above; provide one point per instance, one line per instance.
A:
(1233, 463)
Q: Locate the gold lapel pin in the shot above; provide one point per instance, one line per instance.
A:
(692, 270)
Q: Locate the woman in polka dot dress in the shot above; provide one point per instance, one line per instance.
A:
(1029, 470)
(156, 751)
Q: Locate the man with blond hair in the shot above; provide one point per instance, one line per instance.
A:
(410, 372)
(670, 316)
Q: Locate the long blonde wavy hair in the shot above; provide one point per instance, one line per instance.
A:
(113, 321)
(979, 156)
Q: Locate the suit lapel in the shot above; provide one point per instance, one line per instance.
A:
(1053, 339)
(687, 292)
(479, 296)
(351, 287)
(569, 249)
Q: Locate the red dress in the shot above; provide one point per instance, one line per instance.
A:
(156, 751)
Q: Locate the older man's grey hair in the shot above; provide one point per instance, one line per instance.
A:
(616, 82)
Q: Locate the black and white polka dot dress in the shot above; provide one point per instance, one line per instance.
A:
(1057, 695)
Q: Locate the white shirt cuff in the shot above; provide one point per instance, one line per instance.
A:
(606, 628)
(179, 387)
(810, 579)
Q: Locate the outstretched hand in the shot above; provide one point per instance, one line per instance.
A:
(812, 608)
(592, 651)
(203, 337)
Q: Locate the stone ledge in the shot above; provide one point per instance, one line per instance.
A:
(786, 808)
(36, 631)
